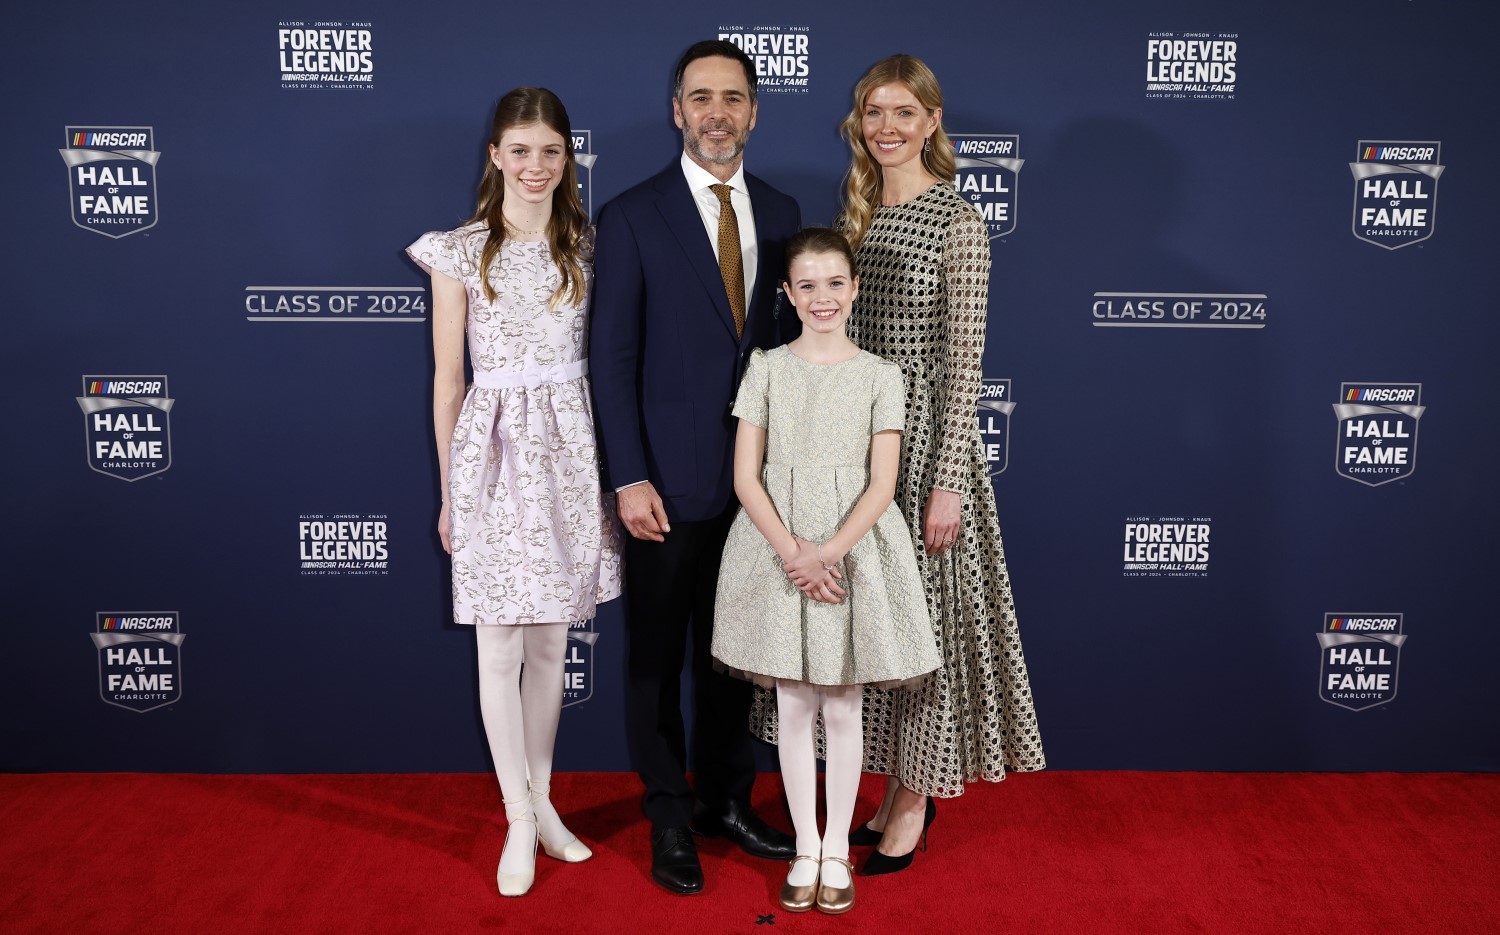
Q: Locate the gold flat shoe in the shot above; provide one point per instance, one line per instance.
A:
(799, 898)
(835, 900)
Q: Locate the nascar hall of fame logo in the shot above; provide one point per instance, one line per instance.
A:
(583, 156)
(995, 407)
(1395, 191)
(988, 167)
(127, 425)
(1167, 546)
(578, 665)
(112, 178)
(1377, 440)
(140, 658)
(780, 53)
(1192, 65)
(326, 56)
(1361, 659)
(343, 544)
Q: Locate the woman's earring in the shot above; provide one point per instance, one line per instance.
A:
(927, 145)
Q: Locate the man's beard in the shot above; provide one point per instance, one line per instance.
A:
(694, 143)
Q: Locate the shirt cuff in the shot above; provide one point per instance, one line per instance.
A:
(636, 483)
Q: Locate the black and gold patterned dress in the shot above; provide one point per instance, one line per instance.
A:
(923, 300)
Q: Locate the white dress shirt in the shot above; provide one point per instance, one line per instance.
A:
(700, 182)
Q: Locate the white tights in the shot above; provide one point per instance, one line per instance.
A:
(520, 721)
(797, 707)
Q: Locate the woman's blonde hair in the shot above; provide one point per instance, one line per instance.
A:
(567, 229)
(862, 183)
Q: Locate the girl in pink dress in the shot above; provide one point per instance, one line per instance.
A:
(533, 542)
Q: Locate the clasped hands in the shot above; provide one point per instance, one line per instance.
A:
(813, 575)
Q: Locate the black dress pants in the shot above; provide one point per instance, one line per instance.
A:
(669, 588)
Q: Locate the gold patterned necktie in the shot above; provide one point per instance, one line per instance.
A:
(731, 262)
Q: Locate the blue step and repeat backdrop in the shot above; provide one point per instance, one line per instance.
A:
(1242, 313)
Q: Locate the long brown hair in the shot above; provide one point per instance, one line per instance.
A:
(862, 183)
(567, 229)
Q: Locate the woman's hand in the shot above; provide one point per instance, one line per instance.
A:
(940, 520)
(445, 526)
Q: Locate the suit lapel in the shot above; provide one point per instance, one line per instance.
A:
(680, 211)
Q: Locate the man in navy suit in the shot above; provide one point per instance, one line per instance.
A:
(686, 271)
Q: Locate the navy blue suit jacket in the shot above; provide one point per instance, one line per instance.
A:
(663, 355)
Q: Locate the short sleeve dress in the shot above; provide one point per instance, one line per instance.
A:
(533, 535)
(818, 420)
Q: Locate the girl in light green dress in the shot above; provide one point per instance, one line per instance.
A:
(819, 592)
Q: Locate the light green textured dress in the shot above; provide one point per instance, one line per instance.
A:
(819, 419)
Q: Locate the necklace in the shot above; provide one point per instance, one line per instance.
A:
(519, 230)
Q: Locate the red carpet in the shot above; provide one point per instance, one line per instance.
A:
(1050, 852)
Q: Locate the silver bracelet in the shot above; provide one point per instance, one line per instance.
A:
(826, 566)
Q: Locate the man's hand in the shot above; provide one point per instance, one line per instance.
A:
(642, 513)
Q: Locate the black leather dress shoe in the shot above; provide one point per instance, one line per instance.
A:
(674, 861)
(744, 827)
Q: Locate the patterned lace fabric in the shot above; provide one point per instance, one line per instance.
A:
(924, 286)
(816, 469)
(534, 537)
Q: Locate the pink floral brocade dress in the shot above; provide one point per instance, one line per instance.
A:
(534, 536)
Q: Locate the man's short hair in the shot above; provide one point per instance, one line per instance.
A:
(710, 48)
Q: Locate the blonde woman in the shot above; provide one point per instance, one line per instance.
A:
(924, 262)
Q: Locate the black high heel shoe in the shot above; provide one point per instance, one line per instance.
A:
(878, 863)
(865, 836)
